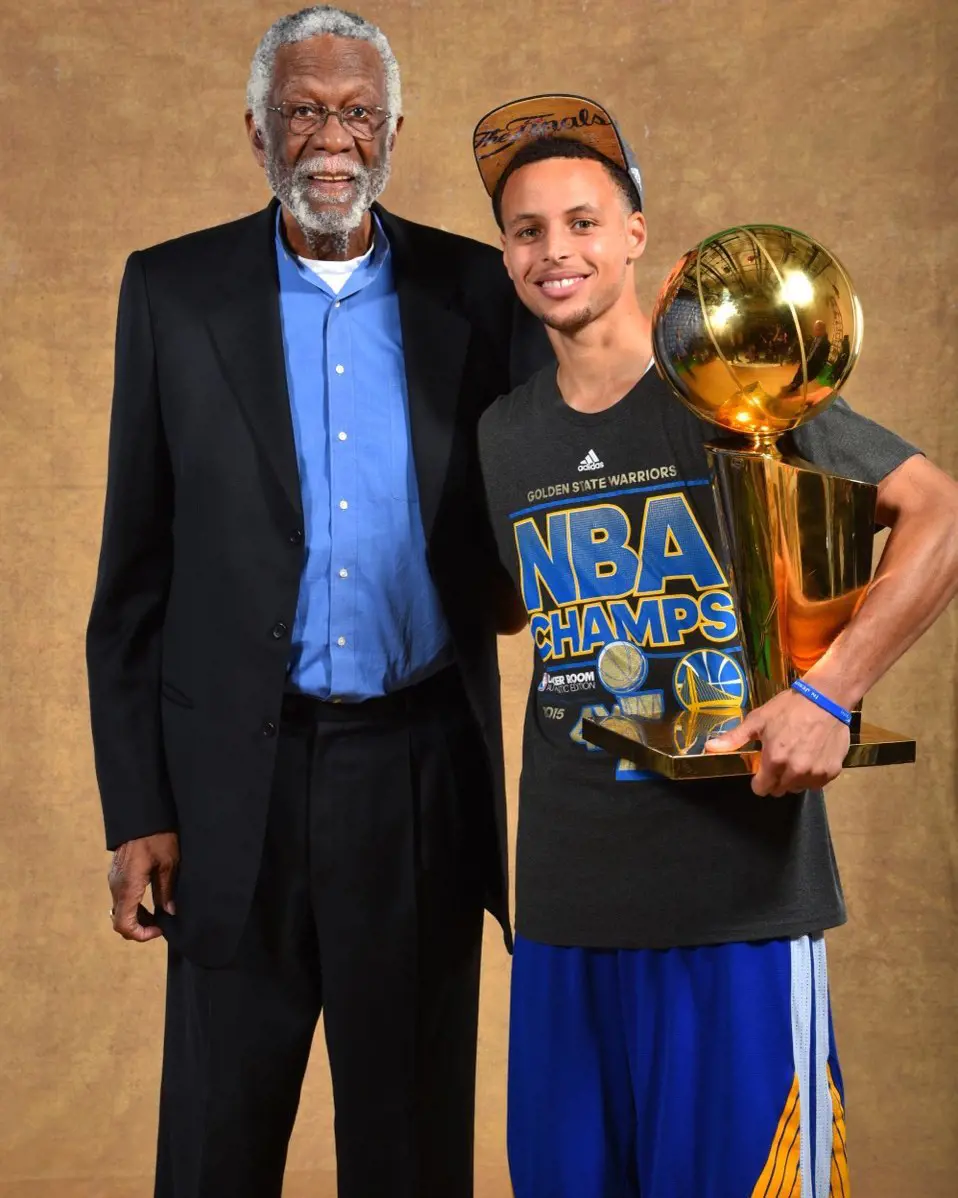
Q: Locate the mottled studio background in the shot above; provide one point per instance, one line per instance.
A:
(121, 125)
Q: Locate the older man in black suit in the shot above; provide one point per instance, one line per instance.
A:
(291, 650)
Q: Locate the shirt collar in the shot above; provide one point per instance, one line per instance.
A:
(365, 274)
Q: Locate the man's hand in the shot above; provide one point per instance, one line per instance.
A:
(153, 859)
(803, 747)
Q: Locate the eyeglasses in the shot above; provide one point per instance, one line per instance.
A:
(363, 121)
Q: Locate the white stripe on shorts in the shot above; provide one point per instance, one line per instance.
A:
(810, 1003)
(823, 1096)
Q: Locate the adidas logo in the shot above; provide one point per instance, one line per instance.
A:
(591, 461)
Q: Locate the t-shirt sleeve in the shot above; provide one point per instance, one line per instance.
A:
(850, 445)
(486, 441)
(491, 466)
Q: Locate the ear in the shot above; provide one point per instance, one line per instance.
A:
(391, 144)
(255, 139)
(637, 234)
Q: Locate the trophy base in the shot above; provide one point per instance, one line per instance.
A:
(675, 746)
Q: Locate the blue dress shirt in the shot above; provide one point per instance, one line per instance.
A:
(368, 620)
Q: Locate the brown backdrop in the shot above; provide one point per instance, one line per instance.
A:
(121, 126)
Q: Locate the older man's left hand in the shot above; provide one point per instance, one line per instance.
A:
(803, 747)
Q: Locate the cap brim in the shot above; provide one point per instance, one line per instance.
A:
(502, 133)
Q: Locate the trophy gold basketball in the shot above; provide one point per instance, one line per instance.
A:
(756, 330)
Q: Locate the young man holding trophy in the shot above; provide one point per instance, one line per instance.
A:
(671, 1035)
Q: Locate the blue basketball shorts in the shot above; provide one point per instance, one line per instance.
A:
(679, 1073)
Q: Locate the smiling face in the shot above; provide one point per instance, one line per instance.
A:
(328, 179)
(568, 240)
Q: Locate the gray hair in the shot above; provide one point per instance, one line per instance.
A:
(315, 22)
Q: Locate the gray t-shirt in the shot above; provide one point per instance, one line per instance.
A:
(607, 526)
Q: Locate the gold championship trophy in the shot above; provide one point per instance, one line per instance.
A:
(756, 330)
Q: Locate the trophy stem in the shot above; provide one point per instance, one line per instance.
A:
(763, 444)
(797, 550)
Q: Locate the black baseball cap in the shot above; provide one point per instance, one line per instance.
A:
(502, 133)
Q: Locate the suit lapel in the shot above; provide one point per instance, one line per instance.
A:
(248, 336)
(435, 342)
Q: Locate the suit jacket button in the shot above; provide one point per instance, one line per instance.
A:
(269, 728)
(296, 537)
(279, 630)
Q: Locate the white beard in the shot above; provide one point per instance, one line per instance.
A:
(290, 185)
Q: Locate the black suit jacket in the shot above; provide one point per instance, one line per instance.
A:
(203, 536)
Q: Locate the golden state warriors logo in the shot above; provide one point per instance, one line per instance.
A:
(708, 680)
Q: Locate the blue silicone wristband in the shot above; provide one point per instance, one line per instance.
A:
(822, 701)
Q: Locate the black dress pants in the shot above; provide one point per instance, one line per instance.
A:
(368, 907)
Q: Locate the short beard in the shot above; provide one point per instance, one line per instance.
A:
(330, 229)
(571, 324)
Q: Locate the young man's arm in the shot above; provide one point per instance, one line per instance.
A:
(802, 745)
(509, 613)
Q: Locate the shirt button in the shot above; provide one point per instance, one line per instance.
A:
(279, 630)
(269, 728)
(337, 303)
(296, 537)
(344, 573)
(341, 642)
(342, 436)
(343, 504)
(340, 369)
